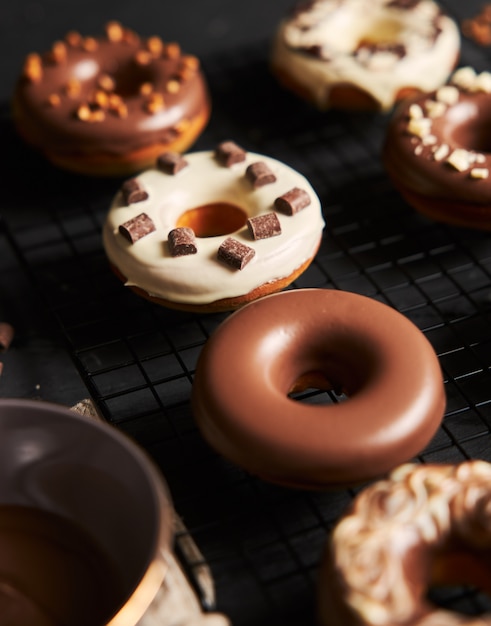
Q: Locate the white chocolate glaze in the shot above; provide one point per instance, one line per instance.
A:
(382, 552)
(319, 47)
(201, 278)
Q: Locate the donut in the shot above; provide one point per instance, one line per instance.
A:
(323, 339)
(436, 151)
(364, 54)
(212, 230)
(108, 106)
(424, 525)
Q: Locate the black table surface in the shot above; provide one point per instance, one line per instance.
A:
(80, 333)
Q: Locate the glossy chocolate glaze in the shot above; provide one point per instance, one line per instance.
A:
(412, 161)
(328, 339)
(49, 115)
(423, 525)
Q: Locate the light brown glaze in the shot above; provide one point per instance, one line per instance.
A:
(432, 185)
(111, 105)
(422, 526)
(331, 339)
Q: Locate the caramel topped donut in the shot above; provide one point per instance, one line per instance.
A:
(110, 105)
(364, 54)
(422, 526)
(321, 339)
(437, 151)
(212, 230)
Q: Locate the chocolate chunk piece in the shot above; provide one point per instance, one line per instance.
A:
(235, 253)
(137, 227)
(259, 174)
(171, 162)
(264, 226)
(133, 191)
(182, 241)
(292, 201)
(6, 336)
(228, 153)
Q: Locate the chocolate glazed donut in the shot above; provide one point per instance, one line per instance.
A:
(110, 105)
(324, 339)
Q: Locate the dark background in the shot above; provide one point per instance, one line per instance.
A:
(79, 333)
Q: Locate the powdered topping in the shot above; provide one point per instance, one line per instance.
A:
(235, 253)
(133, 191)
(422, 117)
(228, 153)
(379, 546)
(182, 241)
(137, 227)
(264, 226)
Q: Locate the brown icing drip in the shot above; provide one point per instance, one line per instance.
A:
(111, 94)
(382, 552)
(436, 144)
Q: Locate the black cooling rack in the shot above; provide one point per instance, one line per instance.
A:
(137, 360)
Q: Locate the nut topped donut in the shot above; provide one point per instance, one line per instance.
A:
(438, 154)
(109, 105)
(364, 54)
(212, 230)
(318, 339)
(422, 526)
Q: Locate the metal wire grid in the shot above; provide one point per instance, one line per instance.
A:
(263, 542)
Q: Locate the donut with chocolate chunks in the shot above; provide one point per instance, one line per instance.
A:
(220, 238)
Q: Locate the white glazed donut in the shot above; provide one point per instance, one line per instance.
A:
(364, 53)
(201, 192)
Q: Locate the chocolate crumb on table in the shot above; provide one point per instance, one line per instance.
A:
(292, 201)
(182, 241)
(133, 191)
(171, 162)
(235, 253)
(6, 336)
(228, 153)
(259, 174)
(137, 227)
(264, 226)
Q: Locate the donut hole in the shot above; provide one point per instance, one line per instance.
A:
(381, 32)
(129, 77)
(314, 387)
(213, 220)
(347, 32)
(341, 367)
(461, 581)
(469, 126)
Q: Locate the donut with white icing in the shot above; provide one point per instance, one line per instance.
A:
(422, 526)
(213, 230)
(318, 339)
(437, 152)
(364, 54)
